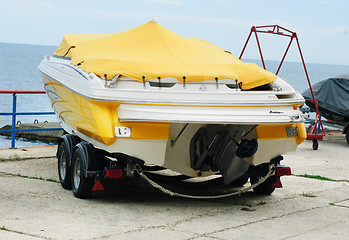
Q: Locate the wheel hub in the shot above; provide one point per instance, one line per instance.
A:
(76, 174)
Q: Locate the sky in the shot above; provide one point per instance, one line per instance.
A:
(322, 26)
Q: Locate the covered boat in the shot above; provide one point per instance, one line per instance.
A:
(150, 97)
(332, 95)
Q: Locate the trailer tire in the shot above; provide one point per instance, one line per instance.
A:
(239, 182)
(315, 144)
(64, 169)
(266, 188)
(81, 185)
(64, 155)
(347, 135)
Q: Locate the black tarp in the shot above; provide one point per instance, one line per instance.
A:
(332, 94)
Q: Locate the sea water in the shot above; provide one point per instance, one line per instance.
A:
(18, 71)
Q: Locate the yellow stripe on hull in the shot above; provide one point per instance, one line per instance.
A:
(97, 119)
(278, 131)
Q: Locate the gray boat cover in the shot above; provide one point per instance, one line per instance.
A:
(332, 94)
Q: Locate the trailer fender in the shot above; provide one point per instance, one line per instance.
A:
(70, 141)
(89, 156)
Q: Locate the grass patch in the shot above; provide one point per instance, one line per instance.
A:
(259, 203)
(43, 179)
(38, 178)
(318, 177)
(3, 228)
(15, 157)
(308, 195)
(51, 180)
(35, 177)
(245, 203)
(241, 202)
(290, 196)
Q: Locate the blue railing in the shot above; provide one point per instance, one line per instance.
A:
(14, 113)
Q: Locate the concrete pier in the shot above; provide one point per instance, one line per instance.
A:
(48, 136)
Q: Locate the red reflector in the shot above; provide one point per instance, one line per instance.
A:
(278, 183)
(98, 186)
(113, 173)
(283, 171)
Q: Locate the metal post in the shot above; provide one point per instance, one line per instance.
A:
(14, 114)
(283, 57)
(248, 39)
(319, 126)
(13, 133)
(260, 50)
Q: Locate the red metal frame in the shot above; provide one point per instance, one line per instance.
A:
(313, 134)
(21, 92)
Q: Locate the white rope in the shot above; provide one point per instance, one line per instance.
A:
(174, 194)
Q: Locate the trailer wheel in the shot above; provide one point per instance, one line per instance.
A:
(64, 170)
(315, 144)
(64, 155)
(239, 182)
(81, 185)
(266, 188)
(347, 135)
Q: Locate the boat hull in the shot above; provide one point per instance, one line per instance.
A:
(148, 130)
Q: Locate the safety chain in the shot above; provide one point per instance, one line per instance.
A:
(140, 171)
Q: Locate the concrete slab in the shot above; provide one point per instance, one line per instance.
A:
(39, 208)
(16, 236)
(329, 160)
(45, 168)
(344, 203)
(292, 225)
(151, 233)
(27, 153)
(338, 230)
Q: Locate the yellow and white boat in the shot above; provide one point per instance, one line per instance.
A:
(180, 103)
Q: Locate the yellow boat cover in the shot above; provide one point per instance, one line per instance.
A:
(153, 51)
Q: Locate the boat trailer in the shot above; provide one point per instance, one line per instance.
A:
(77, 158)
(315, 131)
